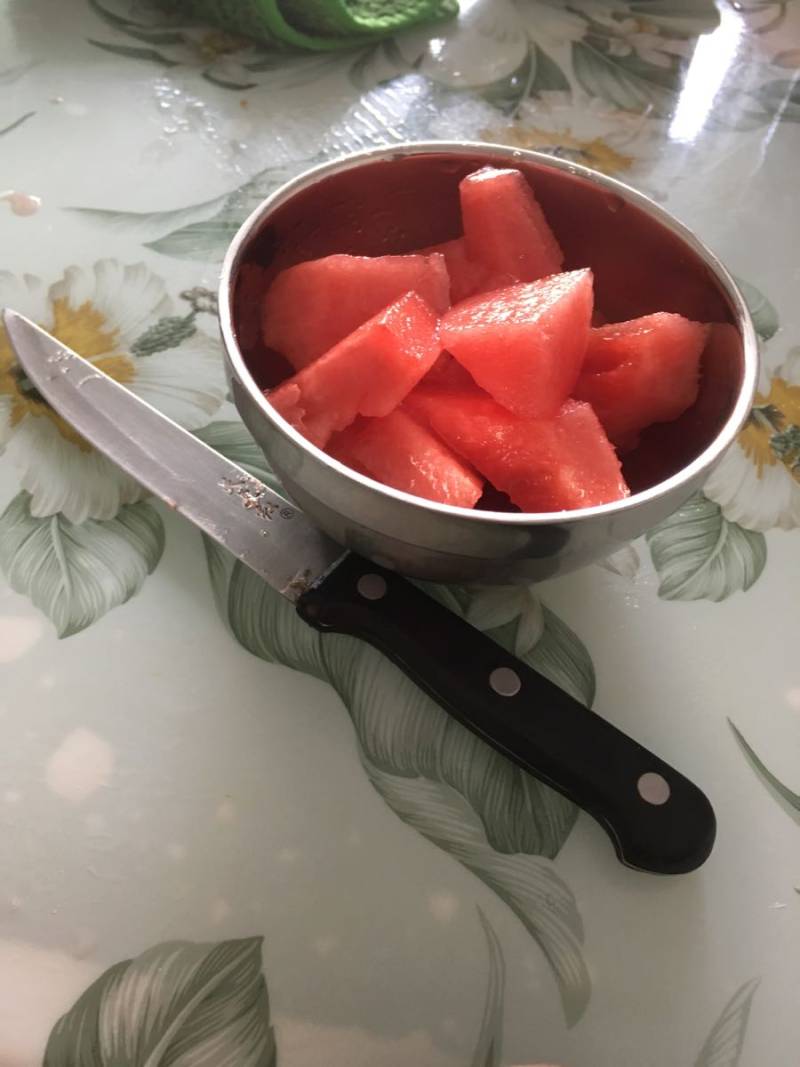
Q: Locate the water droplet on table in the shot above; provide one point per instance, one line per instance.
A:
(21, 203)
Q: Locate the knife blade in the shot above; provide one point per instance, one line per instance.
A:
(656, 818)
(257, 525)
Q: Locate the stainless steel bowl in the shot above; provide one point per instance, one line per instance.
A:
(402, 198)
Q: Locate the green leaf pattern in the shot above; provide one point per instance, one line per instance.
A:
(76, 573)
(548, 77)
(765, 317)
(17, 123)
(723, 1046)
(265, 624)
(686, 16)
(132, 52)
(529, 884)
(199, 240)
(624, 562)
(627, 82)
(490, 1037)
(177, 1003)
(701, 555)
(495, 607)
(155, 32)
(167, 333)
(789, 800)
(405, 733)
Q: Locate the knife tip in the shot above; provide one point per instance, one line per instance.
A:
(11, 318)
(18, 329)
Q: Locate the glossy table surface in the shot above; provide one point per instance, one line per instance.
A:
(221, 843)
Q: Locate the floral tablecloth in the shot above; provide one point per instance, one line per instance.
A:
(226, 842)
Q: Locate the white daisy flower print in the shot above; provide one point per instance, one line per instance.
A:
(121, 319)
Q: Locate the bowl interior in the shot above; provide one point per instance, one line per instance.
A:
(407, 202)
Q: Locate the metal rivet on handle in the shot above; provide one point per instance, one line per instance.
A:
(371, 586)
(505, 682)
(653, 788)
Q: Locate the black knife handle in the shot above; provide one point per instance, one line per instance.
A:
(657, 819)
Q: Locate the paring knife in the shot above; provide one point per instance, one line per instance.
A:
(656, 818)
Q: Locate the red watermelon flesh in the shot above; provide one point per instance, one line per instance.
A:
(525, 344)
(665, 447)
(643, 371)
(467, 276)
(505, 229)
(399, 451)
(542, 464)
(312, 306)
(368, 373)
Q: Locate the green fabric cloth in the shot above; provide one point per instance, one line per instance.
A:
(316, 25)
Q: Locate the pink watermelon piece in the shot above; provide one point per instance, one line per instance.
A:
(524, 345)
(642, 371)
(368, 373)
(505, 228)
(312, 306)
(467, 276)
(665, 447)
(402, 453)
(542, 464)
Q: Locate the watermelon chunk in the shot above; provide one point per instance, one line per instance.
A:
(524, 345)
(399, 451)
(312, 306)
(368, 373)
(505, 228)
(467, 276)
(667, 446)
(542, 464)
(643, 371)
